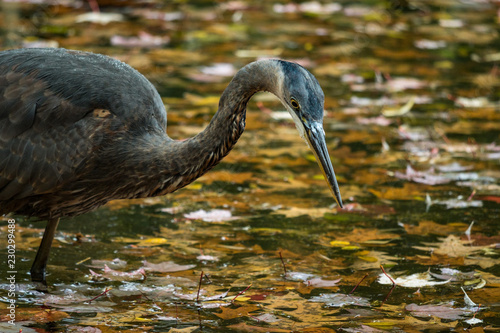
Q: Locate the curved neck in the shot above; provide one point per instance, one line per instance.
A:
(202, 152)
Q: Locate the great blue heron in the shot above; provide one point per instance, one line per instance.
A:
(79, 129)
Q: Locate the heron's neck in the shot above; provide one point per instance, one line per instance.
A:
(202, 152)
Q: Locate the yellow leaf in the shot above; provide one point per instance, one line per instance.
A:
(125, 240)
(310, 157)
(393, 112)
(210, 100)
(195, 186)
(238, 298)
(267, 230)
(152, 242)
(368, 259)
(351, 247)
(339, 243)
(381, 324)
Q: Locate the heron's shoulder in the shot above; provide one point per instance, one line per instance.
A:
(61, 60)
(77, 82)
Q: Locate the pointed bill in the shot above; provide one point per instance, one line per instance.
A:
(315, 136)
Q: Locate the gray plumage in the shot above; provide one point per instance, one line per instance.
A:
(78, 129)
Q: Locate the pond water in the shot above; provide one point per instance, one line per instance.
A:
(412, 125)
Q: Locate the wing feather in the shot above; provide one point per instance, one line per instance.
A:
(38, 131)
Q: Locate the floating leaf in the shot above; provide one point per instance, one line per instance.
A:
(216, 215)
(112, 274)
(166, 267)
(236, 312)
(392, 112)
(340, 300)
(440, 311)
(416, 280)
(452, 246)
(152, 242)
(339, 243)
(320, 283)
(37, 315)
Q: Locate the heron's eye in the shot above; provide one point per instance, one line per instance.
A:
(295, 104)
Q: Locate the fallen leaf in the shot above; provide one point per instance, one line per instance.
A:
(216, 215)
(416, 280)
(433, 228)
(396, 112)
(243, 327)
(340, 300)
(236, 311)
(99, 17)
(266, 318)
(166, 267)
(451, 246)
(424, 177)
(320, 283)
(152, 242)
(37, 315)
(440, 311)
(115, 275)
(454, 275)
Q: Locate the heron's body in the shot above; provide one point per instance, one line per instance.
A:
(53, 142)
(79, 129)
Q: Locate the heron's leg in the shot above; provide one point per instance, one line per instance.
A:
(38, 268)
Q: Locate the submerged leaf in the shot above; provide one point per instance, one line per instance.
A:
(152, 242)
(166, 267)
(416, 280)
(112, 274)
(452, 246)
(236, 312)
(320, 283)
(454, 275)
(440, 311)
(425, 177)
(340, 300)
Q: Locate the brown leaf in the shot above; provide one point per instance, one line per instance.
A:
(358, 235)
(431, 227)
(232, 312)
(486, 296)
(440, 311)
(451, 246)
(408, 191)
(482, 240)
(38, 315)
(317, 330)
(242, 327)
(320, 283)
(437, 259)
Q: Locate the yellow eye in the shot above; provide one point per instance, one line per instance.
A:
(294, 103)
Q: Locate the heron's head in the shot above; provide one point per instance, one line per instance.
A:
(303, 97)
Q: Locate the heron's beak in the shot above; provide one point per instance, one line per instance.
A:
(315, 136)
